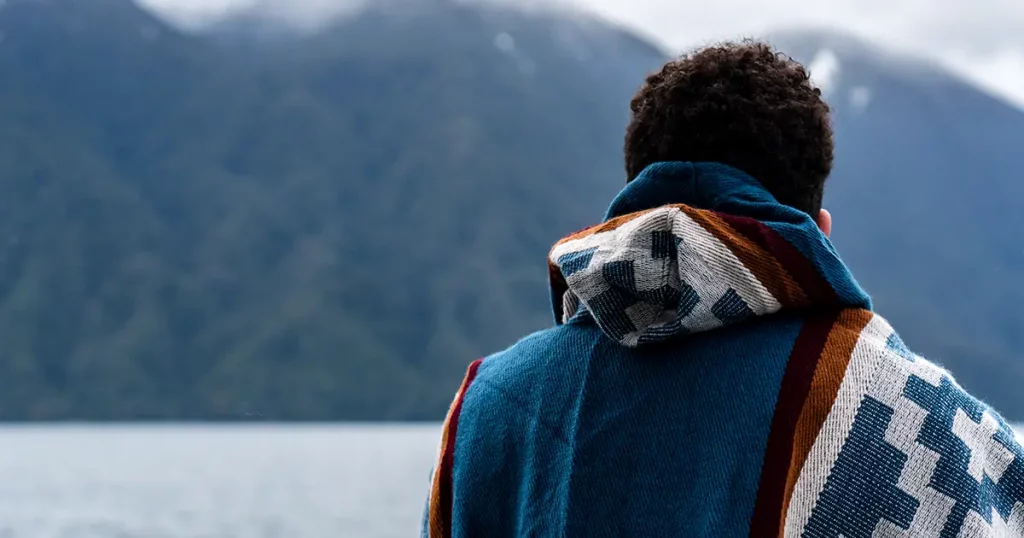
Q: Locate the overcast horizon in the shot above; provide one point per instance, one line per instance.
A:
(977, 41)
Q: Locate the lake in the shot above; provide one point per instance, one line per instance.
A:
(215, 481)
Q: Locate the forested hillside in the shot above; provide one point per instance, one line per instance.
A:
(236, 224)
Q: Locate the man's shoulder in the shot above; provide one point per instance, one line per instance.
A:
(532, 356)
(904, 446)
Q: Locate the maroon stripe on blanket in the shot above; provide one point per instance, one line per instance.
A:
(778, 458)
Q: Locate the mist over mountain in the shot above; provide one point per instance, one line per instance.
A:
(249, 221)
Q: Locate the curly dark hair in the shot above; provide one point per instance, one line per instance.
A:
(741, 104)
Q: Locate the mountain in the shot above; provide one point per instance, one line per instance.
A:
(928, 205)
(332, 230)
(255, 223)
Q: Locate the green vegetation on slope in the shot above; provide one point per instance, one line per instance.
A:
(331, 231)
(334, 226)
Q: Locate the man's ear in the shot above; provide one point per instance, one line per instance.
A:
(824, 221)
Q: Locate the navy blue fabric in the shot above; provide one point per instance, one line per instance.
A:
(568, 433)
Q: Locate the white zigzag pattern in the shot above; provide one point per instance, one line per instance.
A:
(878, 372)
(703, 263)
(902, 433)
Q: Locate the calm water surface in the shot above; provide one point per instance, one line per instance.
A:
(214, 482)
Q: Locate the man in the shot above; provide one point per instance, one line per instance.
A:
(716, 370)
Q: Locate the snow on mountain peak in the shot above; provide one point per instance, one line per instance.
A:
(860, 98)
(505, 43)
(824, 70)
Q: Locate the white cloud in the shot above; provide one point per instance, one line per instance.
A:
(194, 11)
(301, 12)
(980, 39)
(1001, 71)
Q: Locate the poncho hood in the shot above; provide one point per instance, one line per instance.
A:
(693, 247)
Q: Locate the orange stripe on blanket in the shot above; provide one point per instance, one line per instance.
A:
(442, 491)
(828, 376)
(762, 264)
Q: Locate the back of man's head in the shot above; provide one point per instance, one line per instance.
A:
(740, 104)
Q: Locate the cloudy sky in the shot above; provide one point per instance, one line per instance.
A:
(982, 39)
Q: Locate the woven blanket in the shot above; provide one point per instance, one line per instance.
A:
(715, 370)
